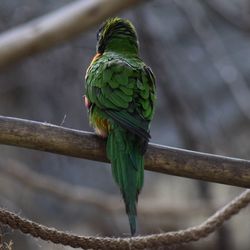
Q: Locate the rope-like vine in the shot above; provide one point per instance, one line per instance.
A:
(141, 242)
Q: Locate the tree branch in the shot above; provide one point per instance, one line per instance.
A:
(168, 160)
(57, 27)
(85, 195)
(61, 189)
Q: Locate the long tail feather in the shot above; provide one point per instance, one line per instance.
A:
(123, 150)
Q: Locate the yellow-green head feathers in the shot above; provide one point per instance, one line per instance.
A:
(118, 35)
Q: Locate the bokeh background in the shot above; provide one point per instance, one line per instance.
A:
(200, 54)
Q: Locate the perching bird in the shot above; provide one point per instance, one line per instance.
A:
(120, 98)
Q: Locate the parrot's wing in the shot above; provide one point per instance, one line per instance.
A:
(131, 123)
(125, 92)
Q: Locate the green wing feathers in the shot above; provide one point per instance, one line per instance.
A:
(127, 163)
(119, 84)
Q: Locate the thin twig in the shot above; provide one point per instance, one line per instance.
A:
(174, 161)
(236, 15)
(218, 54)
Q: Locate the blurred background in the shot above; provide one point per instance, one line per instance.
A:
(200, 54)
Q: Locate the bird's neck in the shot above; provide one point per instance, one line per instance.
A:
(122, 46)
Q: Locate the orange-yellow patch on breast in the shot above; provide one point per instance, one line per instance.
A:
(96, 57)
(101, 127)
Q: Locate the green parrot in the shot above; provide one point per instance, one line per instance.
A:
(120, 98)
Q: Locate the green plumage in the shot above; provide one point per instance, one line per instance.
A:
(120, 90)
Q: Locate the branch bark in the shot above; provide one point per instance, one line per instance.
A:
(163, 159)
(57, 27)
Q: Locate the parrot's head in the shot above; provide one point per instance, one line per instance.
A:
(118, 35)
